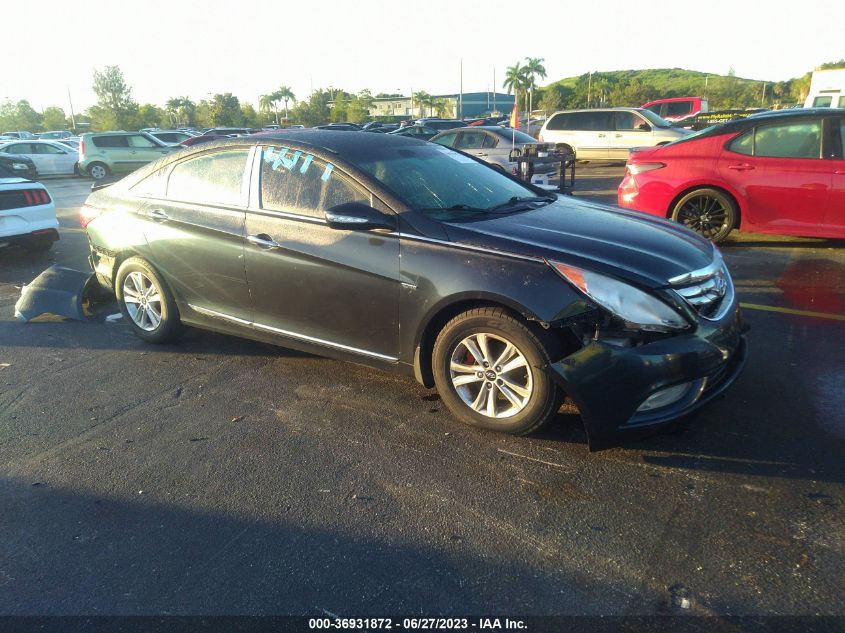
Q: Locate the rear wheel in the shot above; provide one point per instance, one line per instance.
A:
(708, 212)
(98, 171)
(146, 302)
(488, 368)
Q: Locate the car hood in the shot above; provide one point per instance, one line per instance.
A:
(640, 248)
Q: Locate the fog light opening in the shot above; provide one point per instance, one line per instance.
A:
(671, 395)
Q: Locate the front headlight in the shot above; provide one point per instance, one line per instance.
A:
(638, 309)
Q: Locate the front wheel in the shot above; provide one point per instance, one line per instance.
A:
(708, 212)
(146, 302)
(489, 371)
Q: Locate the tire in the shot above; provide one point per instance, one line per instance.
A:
(98, 171)
(137, 284)
(523, 397)
(709, 212)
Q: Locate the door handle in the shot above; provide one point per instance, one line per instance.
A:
(482, 155)
(742, 167)
(158, 215)
(262, 240)
(602, 135)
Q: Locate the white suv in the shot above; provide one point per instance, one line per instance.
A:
(27, 215)
(608, 133)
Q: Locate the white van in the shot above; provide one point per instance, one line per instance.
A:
(608, 133)
(827, 89)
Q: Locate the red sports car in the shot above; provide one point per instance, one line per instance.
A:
(778, 172)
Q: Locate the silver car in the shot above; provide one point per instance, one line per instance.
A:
(492, 144)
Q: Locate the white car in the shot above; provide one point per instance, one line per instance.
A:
(51, 158)
(608, 133)
(27, 215)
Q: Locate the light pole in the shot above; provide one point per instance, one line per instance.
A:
(589, 87)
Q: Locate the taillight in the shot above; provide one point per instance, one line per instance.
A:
(87, 214)
(639, 168)
(81, 147)
(35, 197)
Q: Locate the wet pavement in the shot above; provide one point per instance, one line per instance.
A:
(223, 476)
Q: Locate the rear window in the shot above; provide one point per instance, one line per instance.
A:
(110, 141)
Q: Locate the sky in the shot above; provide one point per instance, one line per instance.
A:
(251, 47)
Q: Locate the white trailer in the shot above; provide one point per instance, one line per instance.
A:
(827, 89)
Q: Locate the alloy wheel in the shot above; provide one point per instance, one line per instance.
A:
(491, 375)
(143, 301)
(705, 215)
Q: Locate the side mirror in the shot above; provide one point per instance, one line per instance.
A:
(357, 216)
(645, 127)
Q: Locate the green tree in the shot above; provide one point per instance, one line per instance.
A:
(551, 100)
(53, 118)
(225, 110)
(251, 117)
(114, 98)
(421, 99)
(285, 94)
(150, 115)
(533, 68)
(515, 80)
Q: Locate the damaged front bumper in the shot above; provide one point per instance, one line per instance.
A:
(611, 384)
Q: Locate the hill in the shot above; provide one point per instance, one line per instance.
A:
(635, 87)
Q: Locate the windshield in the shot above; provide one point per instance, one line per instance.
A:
(447, 185)
(655, 120)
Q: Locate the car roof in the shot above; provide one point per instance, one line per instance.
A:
(772, 115)
(350, 144)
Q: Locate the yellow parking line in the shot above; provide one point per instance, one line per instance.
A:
(821, 315)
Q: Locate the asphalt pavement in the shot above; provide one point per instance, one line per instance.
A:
(224, 476)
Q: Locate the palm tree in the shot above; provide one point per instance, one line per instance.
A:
(533, 68)
(515, 80)
(421, 99)
(283, 94)
(265, 105)
(172, 108)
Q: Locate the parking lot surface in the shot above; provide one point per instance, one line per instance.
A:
(223, 476)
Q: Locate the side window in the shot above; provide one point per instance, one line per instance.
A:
(598, 121)
(655, 107)
(842, 102)
(470, 140)
(43, 148)
(136, 140)
(678, 108)
(743, 144)
(296, 182)
(822, 102)
(154, 185)
(490, 141)
(627, 121)
(19, 148)
(579, 121)
(211, 178)
(447, 139)
(110, 141)
(560, 122)
(789, 140)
